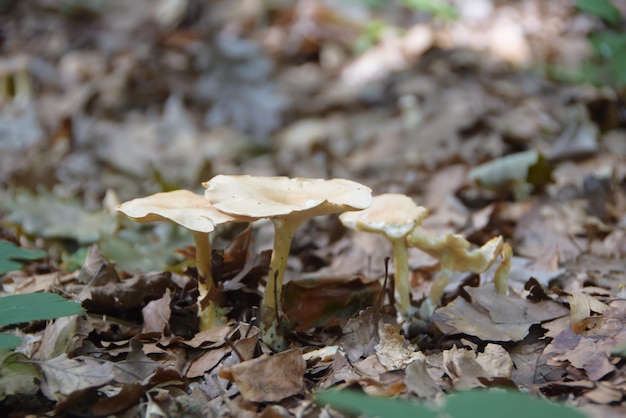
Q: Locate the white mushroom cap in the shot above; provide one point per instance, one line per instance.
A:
(391, 214)
(186, 208)
(288, 202)
(193, 212)
(270, 197)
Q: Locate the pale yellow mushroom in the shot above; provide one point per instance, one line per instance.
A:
(288, 202)
(193, 212)
(394, 216)
(452, 251)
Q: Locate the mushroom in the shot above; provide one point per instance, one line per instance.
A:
(288, 202)
(452, 252)
(394, 216)
(193, 212)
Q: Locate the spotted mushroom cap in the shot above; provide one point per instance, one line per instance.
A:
(392, 214)
(186, 208)
(270, 197)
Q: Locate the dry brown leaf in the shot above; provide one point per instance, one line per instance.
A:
(605, 393)
(496, 361)
(393, 351)
(327, 300)
(581, 306)
(64, 376)
(127, 294)
(461, 317)
(213, 337)
(156, 314)
(207, 361)
(137, 367)
(360, 335)
(268, 378)
(461, 366)
(591, 349)
(61, 336)
(512, 309)
(247, 342)
(419, 381)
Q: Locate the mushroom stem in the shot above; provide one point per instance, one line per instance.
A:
(439, 285)
(401, 267)
(272, 306)
(206, 306)
(501, 276)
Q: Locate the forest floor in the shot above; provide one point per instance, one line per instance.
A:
(107, 101)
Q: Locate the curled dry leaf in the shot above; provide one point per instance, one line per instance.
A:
(581, 306)
(591, 350)
(393, 351)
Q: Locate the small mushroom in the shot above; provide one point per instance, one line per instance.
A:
(288, 202)
(452, 252)
(193, 212)
(394, 216)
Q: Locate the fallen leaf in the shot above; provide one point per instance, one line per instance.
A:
(17, 375)
(137, 367)
(419, 381)
(360, 335)
(496, 361)
(63, 376)
(461, 366)
(461, 317)
(268, 378)
(156, 314)
(581, 306)
(591, 349)
(127, 294)
(393, 351)
(207, 361)
(46, 215)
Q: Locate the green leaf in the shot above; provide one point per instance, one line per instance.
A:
(358, 403)
(138, 248)
(604, 9)
(438, 8)
(492, 403)
(10, 255)
(48, 216)
(17, 375)
(9, 342)
(473, 403)
(523, 172)
(15, 309)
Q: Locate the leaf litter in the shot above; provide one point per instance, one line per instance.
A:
(151, 102)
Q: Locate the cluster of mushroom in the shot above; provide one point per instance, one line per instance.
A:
(288, 202)
(398, 219)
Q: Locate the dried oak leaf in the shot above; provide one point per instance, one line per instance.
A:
(137, 367)
(127, 294)
(268, 378)
(494, 317)
(591, 350)
(466, 367)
